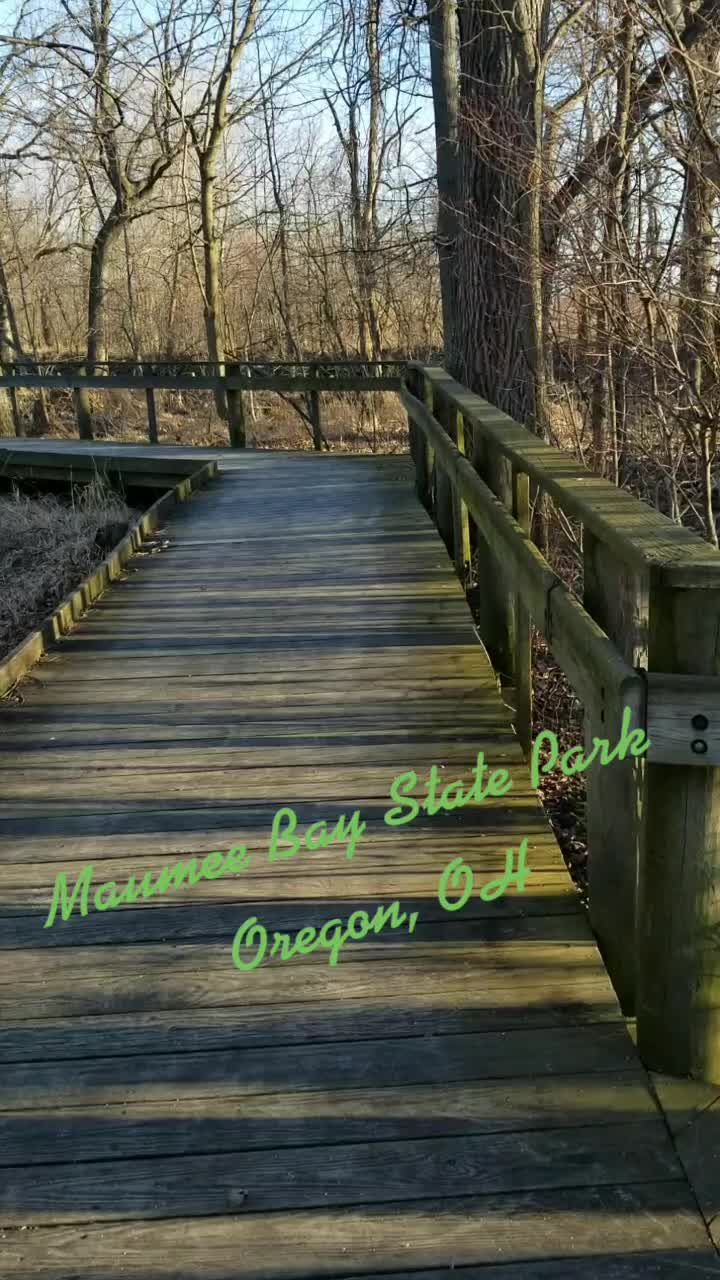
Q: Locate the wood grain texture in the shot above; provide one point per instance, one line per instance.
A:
(617, 598)
(573, 1227)
(466, 1096)
(270, 1121)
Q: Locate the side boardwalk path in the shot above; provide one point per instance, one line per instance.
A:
(462, 1099)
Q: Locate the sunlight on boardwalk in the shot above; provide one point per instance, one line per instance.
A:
(465, 1096)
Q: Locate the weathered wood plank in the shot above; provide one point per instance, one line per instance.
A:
(434, 933)
(665, 1264)
(572, 1226)
(210, 908)
(348, 1174)
(617, 597)
(361, 1063)
(182, 980)
(193, 990)
(679, 874)
(187, 833)
(332, 1116)
(510, 824)
(468, 661)
(304, 1022)
(94, 789)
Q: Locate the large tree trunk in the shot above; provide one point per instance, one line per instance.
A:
(498, 345)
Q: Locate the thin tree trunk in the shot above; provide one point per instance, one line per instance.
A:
(96, 351)
(214, 328)
(697, 329)
(599, 394)
(132, 314)
(444, 75)
(9, 346)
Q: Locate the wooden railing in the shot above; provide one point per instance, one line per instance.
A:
(310, 377)
(646, 635)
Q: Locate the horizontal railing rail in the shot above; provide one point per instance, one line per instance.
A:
(232, 379)
(582, 649)
(202, 375)
(645, 634)
(326, 364)
(638, 534)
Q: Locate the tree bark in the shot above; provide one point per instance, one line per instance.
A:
(497, 350)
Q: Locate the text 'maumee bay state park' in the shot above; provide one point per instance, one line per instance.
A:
(410, 796)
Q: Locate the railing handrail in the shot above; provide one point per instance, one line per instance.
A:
(304, 376)
(260, 361)
(646, 636)
(227, 380)
(583, 650)
(223, 370)
(638, 534)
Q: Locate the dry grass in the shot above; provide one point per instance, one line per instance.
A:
(47, 546)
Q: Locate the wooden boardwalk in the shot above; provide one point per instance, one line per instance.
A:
(464, 1099)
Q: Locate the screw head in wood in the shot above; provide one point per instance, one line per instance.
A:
(699, 746)
(699, 722)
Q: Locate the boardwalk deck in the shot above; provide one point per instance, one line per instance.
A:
(463, 1098)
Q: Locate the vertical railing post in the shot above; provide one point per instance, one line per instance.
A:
(236, 410)
(83, 410)
(151, 415)
(522, 674)
(616, 596)
(444, 502)
(678, 919)
(18, 424)
(428, 397)
(418, 451)
(463, 552)
(316, 422)
(495, 596)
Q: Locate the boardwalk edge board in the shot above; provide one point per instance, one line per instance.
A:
(75, 605)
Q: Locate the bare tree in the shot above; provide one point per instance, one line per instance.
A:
(444, 74)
